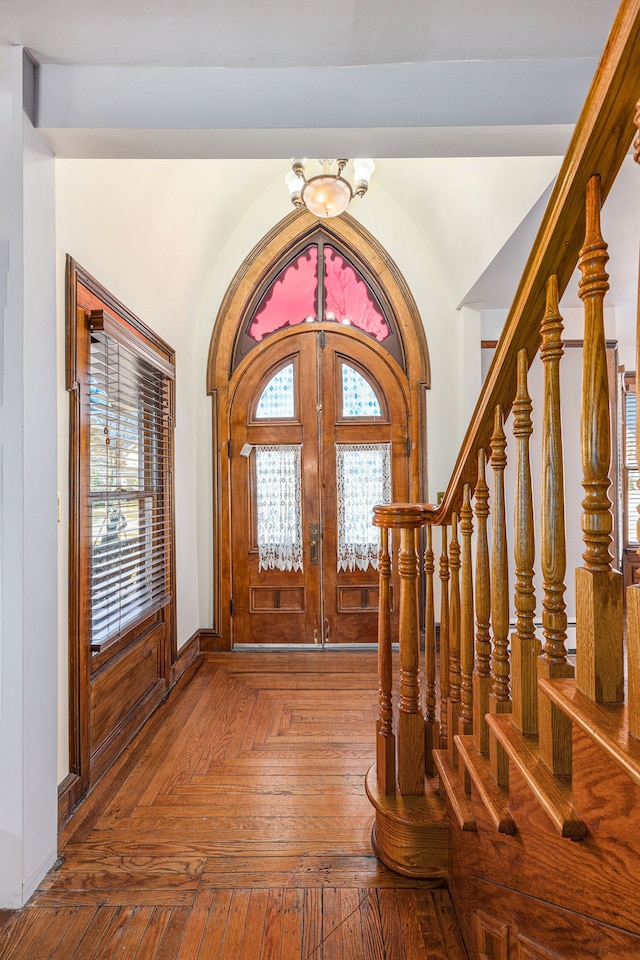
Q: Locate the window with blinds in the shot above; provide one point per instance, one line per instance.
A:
(130, 454)
(631, 471)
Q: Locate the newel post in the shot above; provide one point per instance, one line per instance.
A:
(407, 518)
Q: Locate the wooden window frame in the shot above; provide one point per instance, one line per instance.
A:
(85, 294)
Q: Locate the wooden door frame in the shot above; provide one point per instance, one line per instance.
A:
(363, 249)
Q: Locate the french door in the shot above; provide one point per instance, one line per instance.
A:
(319, 436)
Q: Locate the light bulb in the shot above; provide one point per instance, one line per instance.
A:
(362, 170)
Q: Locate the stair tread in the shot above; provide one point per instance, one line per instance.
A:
(493, 797)
(553, 795)
(458, 799)
(606, 724)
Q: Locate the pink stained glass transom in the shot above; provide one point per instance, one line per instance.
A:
(291, 298)
(348, 299)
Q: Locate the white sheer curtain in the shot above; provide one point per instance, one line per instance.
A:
(279, 511)
(363, 480)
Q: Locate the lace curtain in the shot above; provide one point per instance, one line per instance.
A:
(363, 480)
(279, 513)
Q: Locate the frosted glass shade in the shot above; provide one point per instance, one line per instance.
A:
(326, 196)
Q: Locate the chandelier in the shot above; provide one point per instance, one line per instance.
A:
(328, 194)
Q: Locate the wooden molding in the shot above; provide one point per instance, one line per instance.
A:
(187, 654)
(255, 272)
(211, 642)
(93, 747)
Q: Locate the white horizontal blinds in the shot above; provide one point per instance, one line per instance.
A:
(632, 473)
(129, 487)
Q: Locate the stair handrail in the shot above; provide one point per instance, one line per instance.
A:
(602, 138)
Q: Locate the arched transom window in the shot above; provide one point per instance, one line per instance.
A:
(318, 282)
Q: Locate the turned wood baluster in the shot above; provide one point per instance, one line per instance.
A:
(444, 640)
(633, 592)
(599, 627)
(465, 726)
(454, 640)
(410, 717)
(431, 723)
(555, 728)
(385, 739)
(482, 670)
(525, 646)
(465, 721)
(500, 697)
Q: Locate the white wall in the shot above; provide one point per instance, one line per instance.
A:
(28, 576)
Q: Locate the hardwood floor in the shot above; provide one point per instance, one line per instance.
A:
(237, 827)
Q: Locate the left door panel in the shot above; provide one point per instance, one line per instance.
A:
(275, 497)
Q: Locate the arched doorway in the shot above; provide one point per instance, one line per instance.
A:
(319, 421)
(312, 578)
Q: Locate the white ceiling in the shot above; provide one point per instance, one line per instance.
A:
(216, 79)
(304, 33)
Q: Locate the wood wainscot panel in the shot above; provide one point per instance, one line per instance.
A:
(124, 692)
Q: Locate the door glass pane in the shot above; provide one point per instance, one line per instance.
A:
(278, 506)
(358, 396)
(291, 298)
(363, 480)
(277, 398)
(348, 299)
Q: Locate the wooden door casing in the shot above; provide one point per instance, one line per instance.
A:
(320, 604)
(222, 377)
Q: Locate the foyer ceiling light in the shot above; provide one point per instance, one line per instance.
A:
(328, 194)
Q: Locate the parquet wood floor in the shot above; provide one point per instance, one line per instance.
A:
(236, 827)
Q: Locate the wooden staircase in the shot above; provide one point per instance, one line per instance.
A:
(535, 753)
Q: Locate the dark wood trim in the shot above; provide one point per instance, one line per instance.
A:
(217, 512)
(70, 792)
(488, 344)
(121, 736)
(101, 320)
(87, 760)
(187, 655)
(116, 306)
(212, 642)
(254, 271)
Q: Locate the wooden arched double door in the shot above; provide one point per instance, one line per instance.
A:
(319, 435)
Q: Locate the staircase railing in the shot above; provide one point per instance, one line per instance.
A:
(488, 700)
